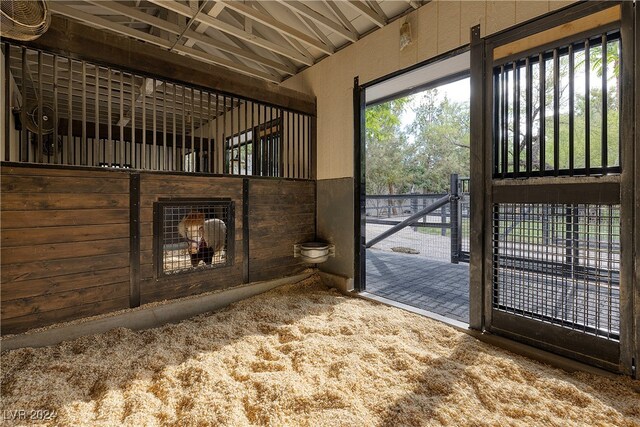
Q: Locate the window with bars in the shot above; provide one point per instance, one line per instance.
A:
(556, 112)
(256, 152)
(559, 263)
(193, 235)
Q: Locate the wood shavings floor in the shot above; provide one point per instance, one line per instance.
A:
(304, 355)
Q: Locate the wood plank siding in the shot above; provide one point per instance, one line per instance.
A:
(65, 245)
(281, 214)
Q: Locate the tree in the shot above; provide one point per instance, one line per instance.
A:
(441, 144)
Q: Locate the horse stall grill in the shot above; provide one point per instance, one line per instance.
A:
(559, 263)
(75, 112)
(193, 235)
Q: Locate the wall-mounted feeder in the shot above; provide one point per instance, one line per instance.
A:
(314, 252)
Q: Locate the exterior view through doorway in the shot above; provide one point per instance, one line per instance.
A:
(415, 197)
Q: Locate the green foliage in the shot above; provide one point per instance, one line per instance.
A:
(421, 157)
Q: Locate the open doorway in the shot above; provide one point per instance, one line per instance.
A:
(416, 193)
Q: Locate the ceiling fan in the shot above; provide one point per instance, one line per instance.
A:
(24, 20)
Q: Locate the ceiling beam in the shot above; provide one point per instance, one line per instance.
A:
(367, 12)
(136, 34)
(293, 42)
(333, 6)
(414, 3)
(321, 19)
(234, 31)
(191, 34)
(283, 28)
(376, 7)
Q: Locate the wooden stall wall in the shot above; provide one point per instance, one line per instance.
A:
(281, 214)
(67, 250)
(65, 245)
(155, 186)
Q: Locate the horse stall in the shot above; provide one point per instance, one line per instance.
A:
(104, 163)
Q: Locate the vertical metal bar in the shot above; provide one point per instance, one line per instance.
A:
(556, 112)
(529, 117)
(571, 108)
(96, 136)
(175, 135)
(231, 135)
(7, 98)
(121, 145)
(209, 130)
(238, 133)
(83, 141)
(39, 155)
(225, 160)
(201, 163)
(605, 161)
(497, 112)
(109, 120)
(543, 108)
(216, 140)
(154, 153)
(24, 157)
(184, 129)
(281, 142)
(164, 126)
(516, 119)
(309, 151)
(299, 175)
(270, 157)
(289, 144)
(69, 111)
(143, 149)
(257, 149)
(587, 108)
(192, 131)
(56, 155)
(133, 122)
(246, 137)
(505, 120)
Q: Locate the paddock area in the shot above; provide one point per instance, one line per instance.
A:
(302, 354)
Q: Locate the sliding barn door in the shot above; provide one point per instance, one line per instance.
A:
(558, 207)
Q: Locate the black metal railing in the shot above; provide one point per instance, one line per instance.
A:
(64, 111)
(446, 212)
(556, 111)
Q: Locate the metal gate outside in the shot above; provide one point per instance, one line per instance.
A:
(558, 164)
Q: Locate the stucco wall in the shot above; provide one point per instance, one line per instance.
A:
(438, 27)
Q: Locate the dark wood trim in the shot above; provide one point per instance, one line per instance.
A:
(628, 345)
(7, 102)
(245, 231)
(79, 41)
(575, 344)
(601, 193)
(134, 240)
(477, 190)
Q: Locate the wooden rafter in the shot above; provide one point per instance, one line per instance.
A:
(194, 35)
(368, 13)
(237, 32)
(158, 41)
(285, 29)
(321, 19)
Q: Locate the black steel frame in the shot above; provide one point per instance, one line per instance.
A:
(158, 222)
(617, 189)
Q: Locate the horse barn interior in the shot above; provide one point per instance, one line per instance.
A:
(188, 237)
